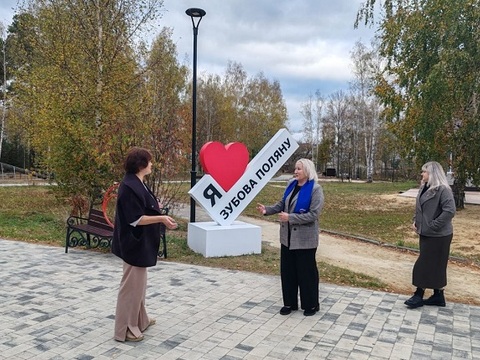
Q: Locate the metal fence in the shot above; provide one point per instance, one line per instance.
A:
(11, 172)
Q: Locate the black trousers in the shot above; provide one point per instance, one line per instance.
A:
(298, 270)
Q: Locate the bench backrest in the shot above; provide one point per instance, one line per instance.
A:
(96, 218)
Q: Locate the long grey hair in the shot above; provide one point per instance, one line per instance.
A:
(436, 175)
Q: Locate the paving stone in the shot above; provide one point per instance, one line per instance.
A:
(61, 306)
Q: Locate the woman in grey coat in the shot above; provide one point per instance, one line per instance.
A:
(298, 212)
(434, 211)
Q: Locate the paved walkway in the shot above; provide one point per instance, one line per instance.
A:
(61, 306)
(471, 197)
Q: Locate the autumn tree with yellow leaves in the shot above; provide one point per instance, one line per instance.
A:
(431, 83)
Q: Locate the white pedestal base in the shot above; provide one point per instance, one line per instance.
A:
(213, 240)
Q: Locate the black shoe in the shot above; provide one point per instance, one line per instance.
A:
(287, 309)
(312, 311)
(437, 299)
(414, 302)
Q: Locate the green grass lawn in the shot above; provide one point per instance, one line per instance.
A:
(35, 214)
(358, 209)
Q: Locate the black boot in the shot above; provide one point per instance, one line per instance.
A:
(437, 299)
(416, 300)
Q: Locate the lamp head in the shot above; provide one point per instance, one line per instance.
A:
(195, 12)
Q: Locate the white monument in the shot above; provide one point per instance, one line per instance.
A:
(225, 236)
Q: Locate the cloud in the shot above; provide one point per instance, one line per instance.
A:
(303, 44)
(317, 60)
(6, 11)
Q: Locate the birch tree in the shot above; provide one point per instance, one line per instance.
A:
(74, 91)
(366, 67)
(164, 128)
(4, 100)
(307, 111)
(431, 82)
(338, 115)
(238, 107)
(312, 112)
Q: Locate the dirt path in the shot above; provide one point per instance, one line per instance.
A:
(387, 264)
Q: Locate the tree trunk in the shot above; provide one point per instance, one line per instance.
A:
(4, 90)
(99, 89)
(458, 194)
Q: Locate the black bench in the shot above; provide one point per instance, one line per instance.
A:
(91, 232)
(96, 232)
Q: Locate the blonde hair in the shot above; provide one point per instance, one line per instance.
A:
(309, 169)
(436, 175)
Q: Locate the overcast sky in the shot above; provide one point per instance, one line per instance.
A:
(304, 44)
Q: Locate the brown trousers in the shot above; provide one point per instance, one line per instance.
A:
(131, 313)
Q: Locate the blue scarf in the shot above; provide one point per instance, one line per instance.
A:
(304, 196)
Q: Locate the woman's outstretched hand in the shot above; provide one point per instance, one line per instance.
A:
(169, 222)
(261, 209)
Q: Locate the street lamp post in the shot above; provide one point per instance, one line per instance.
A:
(195, 14)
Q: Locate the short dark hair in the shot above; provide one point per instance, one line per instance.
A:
(137, 159)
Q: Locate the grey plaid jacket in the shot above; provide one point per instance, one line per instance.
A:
(304, 228)
(434, 212)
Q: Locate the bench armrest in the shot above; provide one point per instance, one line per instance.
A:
(75, 220)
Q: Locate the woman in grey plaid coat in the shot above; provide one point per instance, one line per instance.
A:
(434, 211)
(298, 213)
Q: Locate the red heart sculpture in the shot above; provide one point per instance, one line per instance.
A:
(225, 163)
